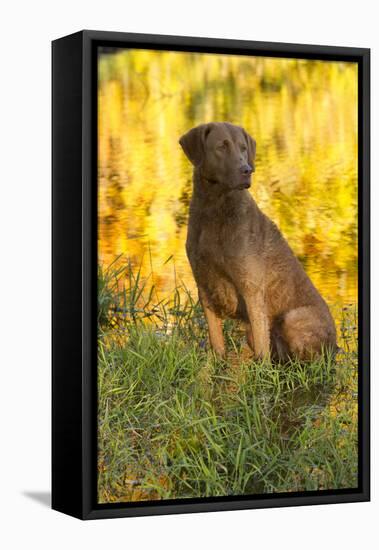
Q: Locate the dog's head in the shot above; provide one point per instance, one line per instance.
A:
(223, 153)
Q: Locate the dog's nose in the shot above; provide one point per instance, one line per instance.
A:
(246, 169)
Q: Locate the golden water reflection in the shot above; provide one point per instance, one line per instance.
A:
(303, 115)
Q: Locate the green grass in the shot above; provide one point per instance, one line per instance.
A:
(173, 422)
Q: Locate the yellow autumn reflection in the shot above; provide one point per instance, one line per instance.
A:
(303, 115)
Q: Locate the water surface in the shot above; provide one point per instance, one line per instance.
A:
(303, 115)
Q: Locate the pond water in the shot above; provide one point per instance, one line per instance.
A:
(303, 115)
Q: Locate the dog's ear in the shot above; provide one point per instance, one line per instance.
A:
(251, 149)
(193, 143)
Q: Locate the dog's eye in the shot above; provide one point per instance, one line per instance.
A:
(243, 148)
(222, 146)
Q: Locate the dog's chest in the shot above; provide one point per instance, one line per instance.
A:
(219, 242)
(211, 244)
(207, 251)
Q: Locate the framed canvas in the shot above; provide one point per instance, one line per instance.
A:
(210, 274)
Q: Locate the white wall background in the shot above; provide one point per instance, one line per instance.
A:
(27, 29)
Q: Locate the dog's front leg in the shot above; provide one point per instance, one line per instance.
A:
(216, 336)
(260, 329)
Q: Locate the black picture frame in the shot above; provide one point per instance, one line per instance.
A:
(74, 299)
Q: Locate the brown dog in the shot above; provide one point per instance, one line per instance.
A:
(243, 266)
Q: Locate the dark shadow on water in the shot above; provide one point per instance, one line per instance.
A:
(42, 497)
